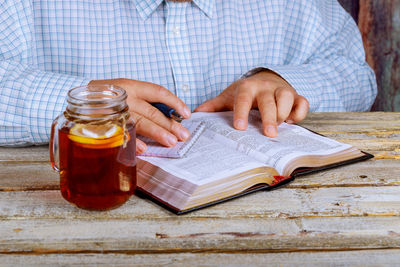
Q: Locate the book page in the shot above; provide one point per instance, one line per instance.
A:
(206, 161)
(292, 140)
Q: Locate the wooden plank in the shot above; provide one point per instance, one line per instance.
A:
(282, 203)
(28, 176)
(32, 153)
(382, 171)
(369, 124)
(368, 173)
(218, 235)
(353, 207)
(363, 258)
(357, 117)
(379, 146)
(336, 124)
(379, 23)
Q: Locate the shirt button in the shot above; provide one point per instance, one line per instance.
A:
(176, 30)
(185, 88)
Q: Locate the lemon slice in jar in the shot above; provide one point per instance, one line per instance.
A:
(97, 136)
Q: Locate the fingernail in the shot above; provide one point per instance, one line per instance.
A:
(290, 121)
(172, 140)
(141, 147)
(186, 113)
(270, 131)
(240, 124)
(184, 134)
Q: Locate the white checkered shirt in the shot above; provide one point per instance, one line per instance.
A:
(195, 49)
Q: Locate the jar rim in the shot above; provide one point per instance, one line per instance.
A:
(96, 94)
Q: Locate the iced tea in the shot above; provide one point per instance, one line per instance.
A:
(97, 173)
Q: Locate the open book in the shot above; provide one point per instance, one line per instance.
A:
(225, 163)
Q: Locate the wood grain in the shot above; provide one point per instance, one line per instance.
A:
(379, 23)
(374, 132)
(345, 216)
(383, 172)
(363, 258)
(27, 176)
(199, 235)
(32, 154)
(282, 203)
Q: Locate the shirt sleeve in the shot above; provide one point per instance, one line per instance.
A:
(30, 98)
(325, 59)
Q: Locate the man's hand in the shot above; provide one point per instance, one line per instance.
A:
(275, 98)
(150, 121)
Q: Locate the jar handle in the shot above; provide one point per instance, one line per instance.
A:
(53, 147)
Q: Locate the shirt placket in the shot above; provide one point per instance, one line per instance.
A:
(177, 39)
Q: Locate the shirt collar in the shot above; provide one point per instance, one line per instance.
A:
(146, 7)
(207, 6)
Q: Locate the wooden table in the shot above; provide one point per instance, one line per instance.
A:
(347, 215)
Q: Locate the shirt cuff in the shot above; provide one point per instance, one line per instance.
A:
(46, 100)
(299, 77)
(253, 71)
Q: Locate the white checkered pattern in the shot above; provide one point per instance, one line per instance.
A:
(194, 49)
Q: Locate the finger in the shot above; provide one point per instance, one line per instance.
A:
(140, 146)
(267, 107)
(213, 105)
(284, 97)
(299, 110)
(150, 129)
(156, 93)
(243, 102)
(146, 110)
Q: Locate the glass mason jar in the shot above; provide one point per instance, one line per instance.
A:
(93, 147)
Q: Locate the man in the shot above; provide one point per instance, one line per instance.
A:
(280, 56)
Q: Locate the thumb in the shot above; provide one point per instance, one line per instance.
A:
(141, 146)
(213, 105)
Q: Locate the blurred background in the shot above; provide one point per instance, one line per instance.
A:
(379, 23)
